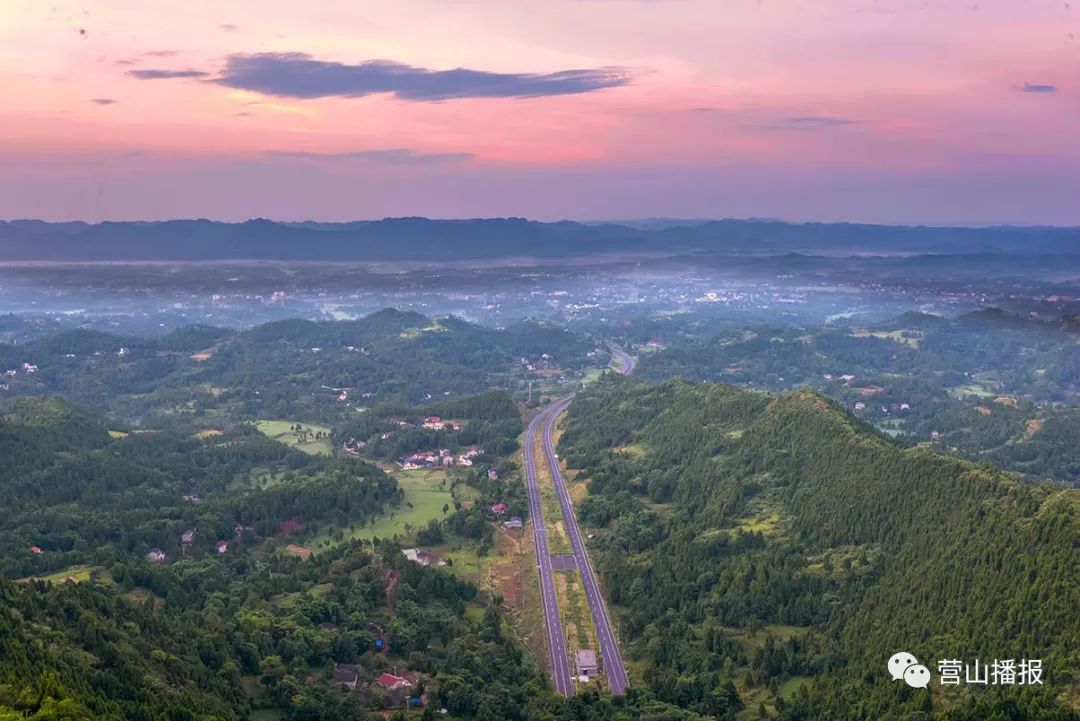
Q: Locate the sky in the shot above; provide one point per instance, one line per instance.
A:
(889, 111)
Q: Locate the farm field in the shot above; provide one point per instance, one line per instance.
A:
(426, 492)
(78, 574)
(303, 440)
(592, 375)
(905, 336)
(972, 389)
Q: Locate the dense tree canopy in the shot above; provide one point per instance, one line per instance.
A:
(726, 509)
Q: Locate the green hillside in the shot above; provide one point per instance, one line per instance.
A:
(313, 372)
(747, 513)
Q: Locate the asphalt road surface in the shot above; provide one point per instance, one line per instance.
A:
(609, 647)
(626, 362)
(556, 639)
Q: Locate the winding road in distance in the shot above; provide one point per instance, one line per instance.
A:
(610, 655)
(626, 362)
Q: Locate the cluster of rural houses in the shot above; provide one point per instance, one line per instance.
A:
(499, 509)
(434, 423)
(439, 458)
(871, 390)
(431, 423)
(398, 690)
(187, 538)
(25, 368)
(861, 406)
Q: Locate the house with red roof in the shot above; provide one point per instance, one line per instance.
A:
(392, 682)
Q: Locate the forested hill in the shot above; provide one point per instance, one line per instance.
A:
(161, 577)
(285, 368)
(989, 385)
(423, 238)
(782, 543)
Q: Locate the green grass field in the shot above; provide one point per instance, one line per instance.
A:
(265, 478)
(435, 327)
(558, 541)
(426, 492)
(576, 610)
(635, 450)
(81, 574)
(892, 426)
(466, 495)
(467, 563)
(791, 686)
(972, 389)
(592, 375)
(903, 335)
(764, 524)
(304, 440)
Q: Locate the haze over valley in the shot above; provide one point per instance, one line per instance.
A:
(664, 360)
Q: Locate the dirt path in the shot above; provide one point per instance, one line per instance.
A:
(514, 539)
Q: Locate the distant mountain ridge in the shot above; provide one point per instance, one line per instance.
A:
(424, 238)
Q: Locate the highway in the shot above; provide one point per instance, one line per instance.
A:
(556, 639)
(609, 647)
(609, 654)
(626, 362)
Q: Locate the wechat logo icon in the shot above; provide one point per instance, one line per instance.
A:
(904, 665)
